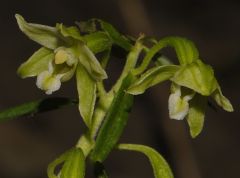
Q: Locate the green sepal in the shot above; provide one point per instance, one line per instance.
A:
(86, 87)
(36, 64)
(185, 49)
(116, 37)
(152, 77)
(114, 122)
(72, 31)
(221, 100)
(160, 166)
(34, 107)
(97, 42)
(196, 76)
(196, 113)
(90, 62)
(46, 36)
(74, 165)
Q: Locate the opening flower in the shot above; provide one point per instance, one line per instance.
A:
(192, 82)
(64, 52)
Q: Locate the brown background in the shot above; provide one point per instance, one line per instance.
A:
(27, 145)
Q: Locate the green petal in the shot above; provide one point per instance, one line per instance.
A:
(74, 165)
(87, 94)
(196, 114)
(160, 167)
(72, 31)
(152, 77)
(91, 64)
(46, 36)
(36, 64)
(222, 100)
(198, 77)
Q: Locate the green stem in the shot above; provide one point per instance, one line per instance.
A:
(100, 88)
(130, 62)
(85, 143)
(100, 112)
(148, 58)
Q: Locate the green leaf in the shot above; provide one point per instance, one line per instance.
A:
(91, 64)
(34, 107)
(222, 100)
(152, 77)
(185, 50)
(116, 37)
(160, 167)
(97, 42)
(74, 165)
(52, 166)
(72, 31)
(196, 114)
(114, 122)
(196, 76)
(36, 64)
(46, 36)
(87, 94)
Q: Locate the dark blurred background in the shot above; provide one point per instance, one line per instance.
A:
(27, 145)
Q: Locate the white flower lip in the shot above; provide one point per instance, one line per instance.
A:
(178, 107)
(48, 82)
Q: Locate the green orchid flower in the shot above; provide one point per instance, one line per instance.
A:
(192, 82)
(199, 78)
(64, 53)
